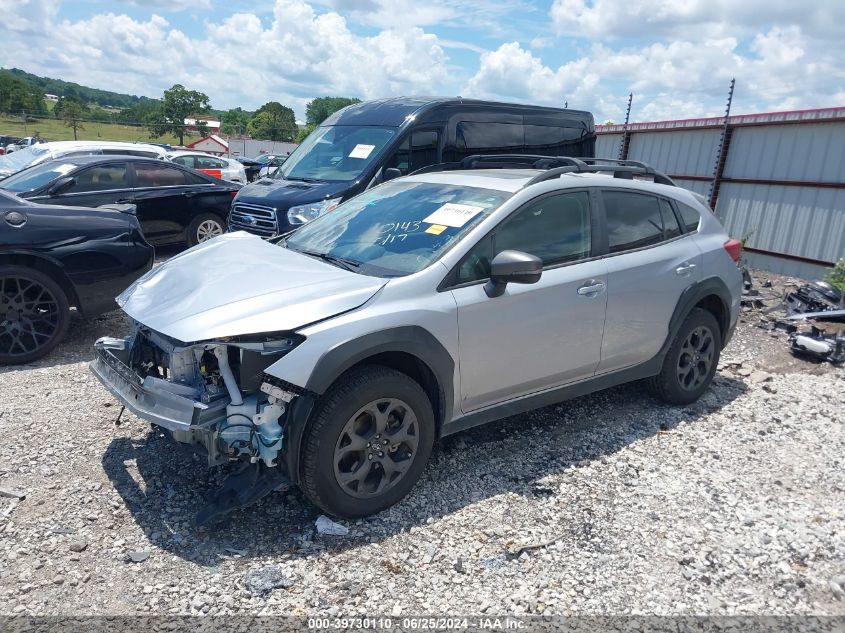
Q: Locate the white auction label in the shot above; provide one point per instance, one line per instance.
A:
(362, 151)
(453, 214)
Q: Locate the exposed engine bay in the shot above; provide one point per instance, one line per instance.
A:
(212, 395)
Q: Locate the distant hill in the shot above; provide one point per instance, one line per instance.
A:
(62, 88)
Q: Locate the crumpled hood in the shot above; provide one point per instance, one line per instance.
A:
(284, 194)
(239, 284)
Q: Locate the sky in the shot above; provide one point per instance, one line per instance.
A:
(677, 57)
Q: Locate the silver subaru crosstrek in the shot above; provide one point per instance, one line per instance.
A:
(335, 357)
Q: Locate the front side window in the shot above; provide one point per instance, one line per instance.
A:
(336, 153)
(417, 151)
(185, 161)
(397, 228)
(100, 178)
(554, 228)
(634, 220)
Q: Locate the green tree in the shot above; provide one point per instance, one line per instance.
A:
(177, 104)
(303, 133)
(72, 113)
(235, 121)
(17, 96)
(273, 122)
(319, 109)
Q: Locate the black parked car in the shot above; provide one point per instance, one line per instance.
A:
(174, 204)
(55, 257)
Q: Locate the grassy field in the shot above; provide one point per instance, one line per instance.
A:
(54, 130)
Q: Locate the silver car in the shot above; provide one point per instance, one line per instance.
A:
(336, 357)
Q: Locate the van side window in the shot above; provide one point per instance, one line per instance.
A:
(478, 137)
(419, 150)
(424, 148)
(549, 140)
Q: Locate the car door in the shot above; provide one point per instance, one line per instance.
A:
(532, 337)
(164, 199)
(104, 183)
(649, 265)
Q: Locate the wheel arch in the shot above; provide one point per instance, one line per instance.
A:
(47, 266)
(411, 350)
(711, 294)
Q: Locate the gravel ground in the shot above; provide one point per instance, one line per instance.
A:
(608, 504)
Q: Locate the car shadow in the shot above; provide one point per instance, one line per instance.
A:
(167, 486)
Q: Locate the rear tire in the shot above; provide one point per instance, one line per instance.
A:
(204, 227)
(34, 314)
(690, 363)
(368, 443)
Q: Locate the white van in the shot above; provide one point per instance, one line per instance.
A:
(34, 154)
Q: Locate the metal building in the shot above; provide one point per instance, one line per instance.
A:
(778, 179)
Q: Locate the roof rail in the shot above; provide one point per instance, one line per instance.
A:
(552, 166)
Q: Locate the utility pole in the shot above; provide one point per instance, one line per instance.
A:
(722, 155)
(626, 138)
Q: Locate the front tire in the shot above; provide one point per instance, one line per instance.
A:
(368, 443)
(34, 314)
(690, 363)
(204, 227)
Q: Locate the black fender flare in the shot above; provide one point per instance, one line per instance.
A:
(711, 286)
(412, 339)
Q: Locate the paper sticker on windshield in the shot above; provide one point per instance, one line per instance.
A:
(436, 229)
(453, 214)
(362, 151)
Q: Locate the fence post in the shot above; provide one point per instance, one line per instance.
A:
(722, 154)
(626, 135)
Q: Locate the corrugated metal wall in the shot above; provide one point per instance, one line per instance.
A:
(607, 145)
(783, 185)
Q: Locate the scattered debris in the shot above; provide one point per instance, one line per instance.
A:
(815, 296)
(262, 581)
(750, 295)
(325, 525)
(238, 552)
(532, 546)
(459, 565)
(816, 344)
(138, 556)
(14, 494)
(78, 545)
(62, 530)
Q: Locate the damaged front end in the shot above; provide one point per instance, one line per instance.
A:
(212, 396)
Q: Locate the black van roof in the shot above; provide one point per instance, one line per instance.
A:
(394, 111)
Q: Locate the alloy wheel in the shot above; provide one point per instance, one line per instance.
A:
(29, 316)
(696, 358)
(208, 229)
(376, 448)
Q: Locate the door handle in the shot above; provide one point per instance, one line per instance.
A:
(189, 194)
(123, 201)
(685, 269)
(590, 289)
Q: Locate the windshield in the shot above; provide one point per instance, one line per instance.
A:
(339, 152)
(36, 176)
(397, 228)
(21, 159)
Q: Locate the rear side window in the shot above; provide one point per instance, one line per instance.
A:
(185, 161)
(689, 217)
(671, 228)
(159, 176)
(208, 162)
(636, 220)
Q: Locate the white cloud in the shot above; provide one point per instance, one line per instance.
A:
(297, 55)
(675, 80)
(692, 19)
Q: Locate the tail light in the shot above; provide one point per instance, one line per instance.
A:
(233, 193)
(734, 249)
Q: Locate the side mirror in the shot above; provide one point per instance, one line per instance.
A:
(61, 185)
(390, 173)
(513, 267)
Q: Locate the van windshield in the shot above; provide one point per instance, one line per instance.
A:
(339, 152)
